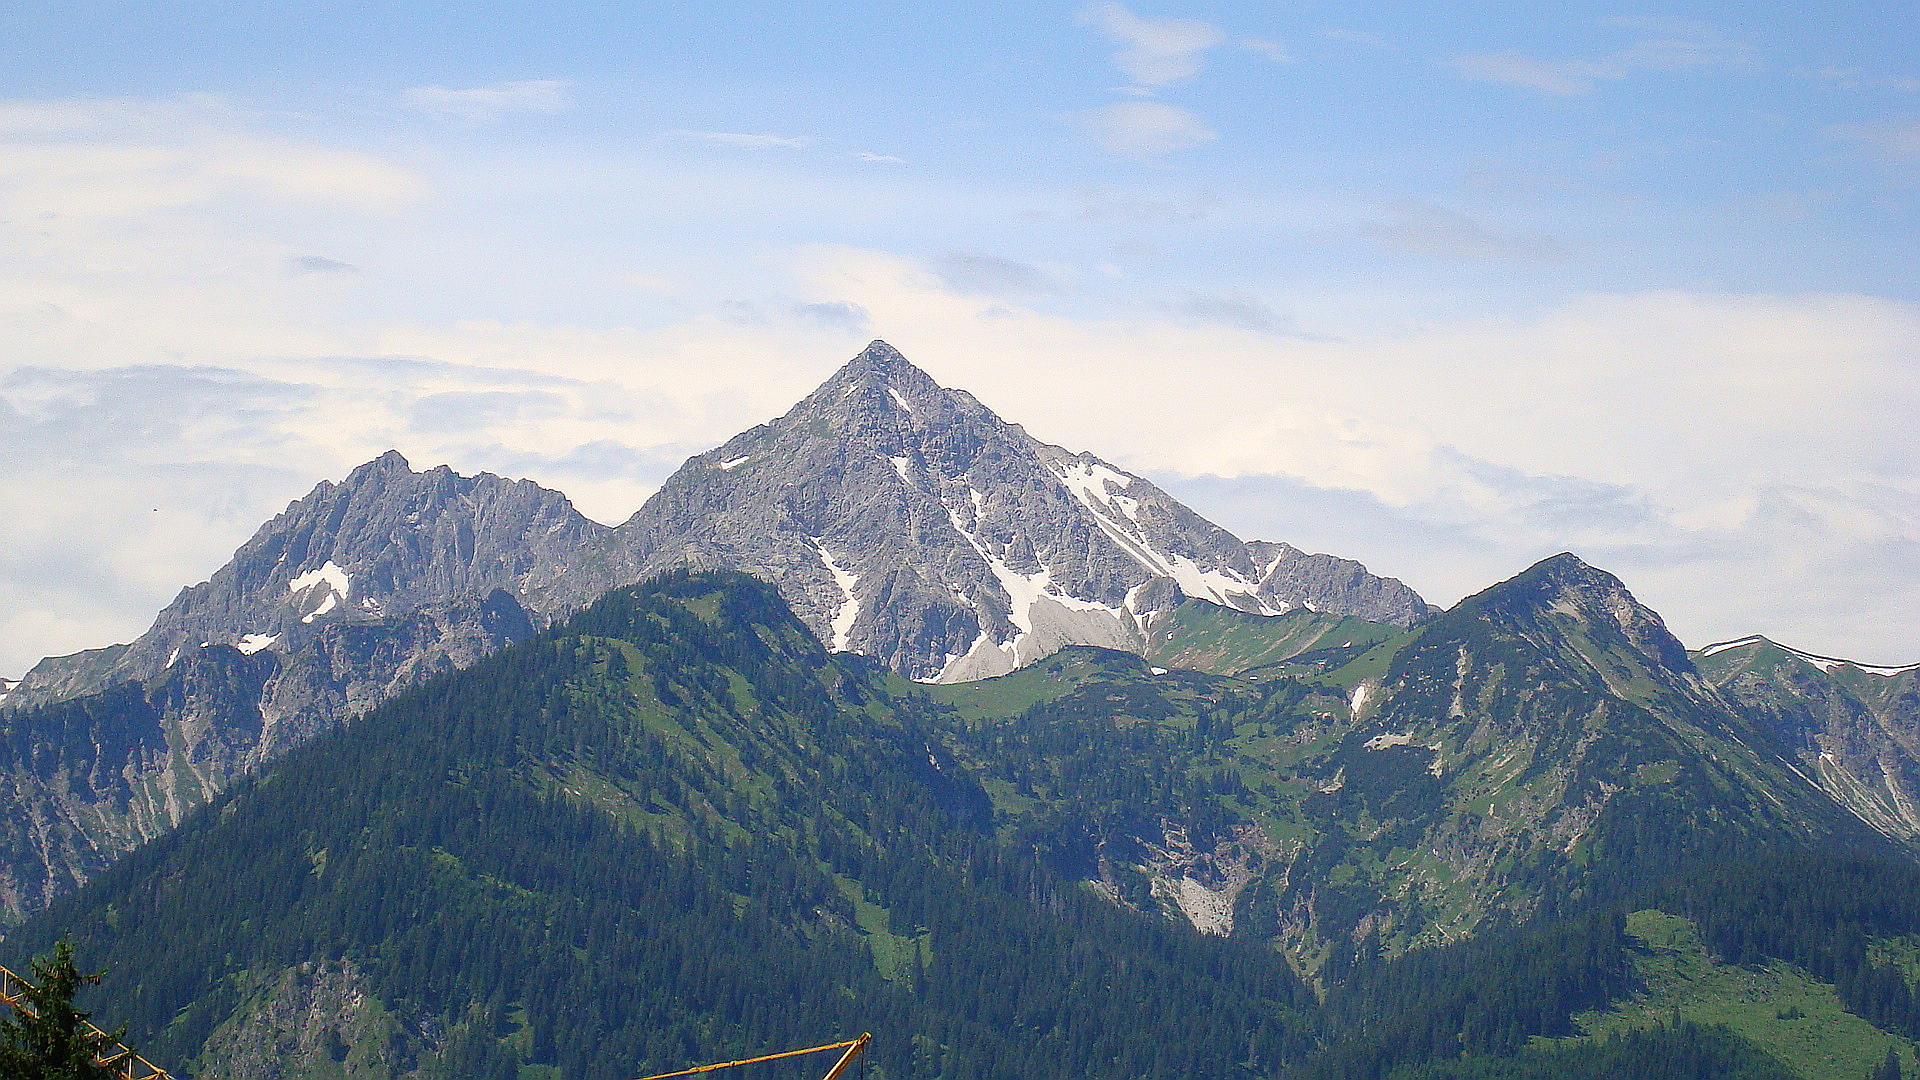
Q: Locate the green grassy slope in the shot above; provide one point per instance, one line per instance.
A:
(1793, 1017)
(1207, 637)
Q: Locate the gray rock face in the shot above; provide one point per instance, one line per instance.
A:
(382, 543)
(1292, 578)
(315, 1021)
(1853, 728)
(909, 523)
(354, 592)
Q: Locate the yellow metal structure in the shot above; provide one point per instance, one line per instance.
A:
(851, 1046)
(123, 1062)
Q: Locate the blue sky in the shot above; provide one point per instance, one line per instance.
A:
(1445, 290)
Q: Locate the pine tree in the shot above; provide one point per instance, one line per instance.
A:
(47, 1037)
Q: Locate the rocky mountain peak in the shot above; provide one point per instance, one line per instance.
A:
(879, 403)
(389, 464)
(381, 543)
(881, 363)
(908, 522)
(1567, 594)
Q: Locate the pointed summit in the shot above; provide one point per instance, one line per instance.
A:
(910, 523)
(883, 360)
(393, 461)
(880, 383)
(1587, 613)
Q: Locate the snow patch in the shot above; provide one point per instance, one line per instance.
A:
(1098, 488)
(1723, 646)
(1045, 617)
(1157, 671)
(733, 463)
(849, 610)
(173, 656)
(901, 465)
(900, 400)
(250, 644)
(336, 580)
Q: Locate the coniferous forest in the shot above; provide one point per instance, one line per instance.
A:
(675, 830)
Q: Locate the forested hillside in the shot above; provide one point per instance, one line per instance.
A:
(677, 830)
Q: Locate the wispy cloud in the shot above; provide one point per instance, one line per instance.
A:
(1895, 140)
(746, 140)
(319, 264)
(1512, 69)
(484, 104)
(1156, 51)
(1664, 45)
(1853, 78)
(1674, 44)
(1240, 312)
(840, 314)
(1272, 50)
(1356, 37)
(977, 274)
(879, 159)
(1427, 229)
(1147, 128)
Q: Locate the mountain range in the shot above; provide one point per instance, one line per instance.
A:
(901, 520)
(675, 828)
(887, 709)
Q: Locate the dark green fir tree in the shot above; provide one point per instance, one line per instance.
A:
(45, 1036)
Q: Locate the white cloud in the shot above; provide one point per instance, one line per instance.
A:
(1854, 78)
(484, 104)
(319, 264)
(1356, 37)
(975, 273)
(1147, 128)
(746, 140)
(92, 161)
(1665, 45)
(1157, 51)
(879, 159)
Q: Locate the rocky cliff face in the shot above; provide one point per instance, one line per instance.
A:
(381, 544)
(354, 592)
(908, 522)
(315, 1021)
